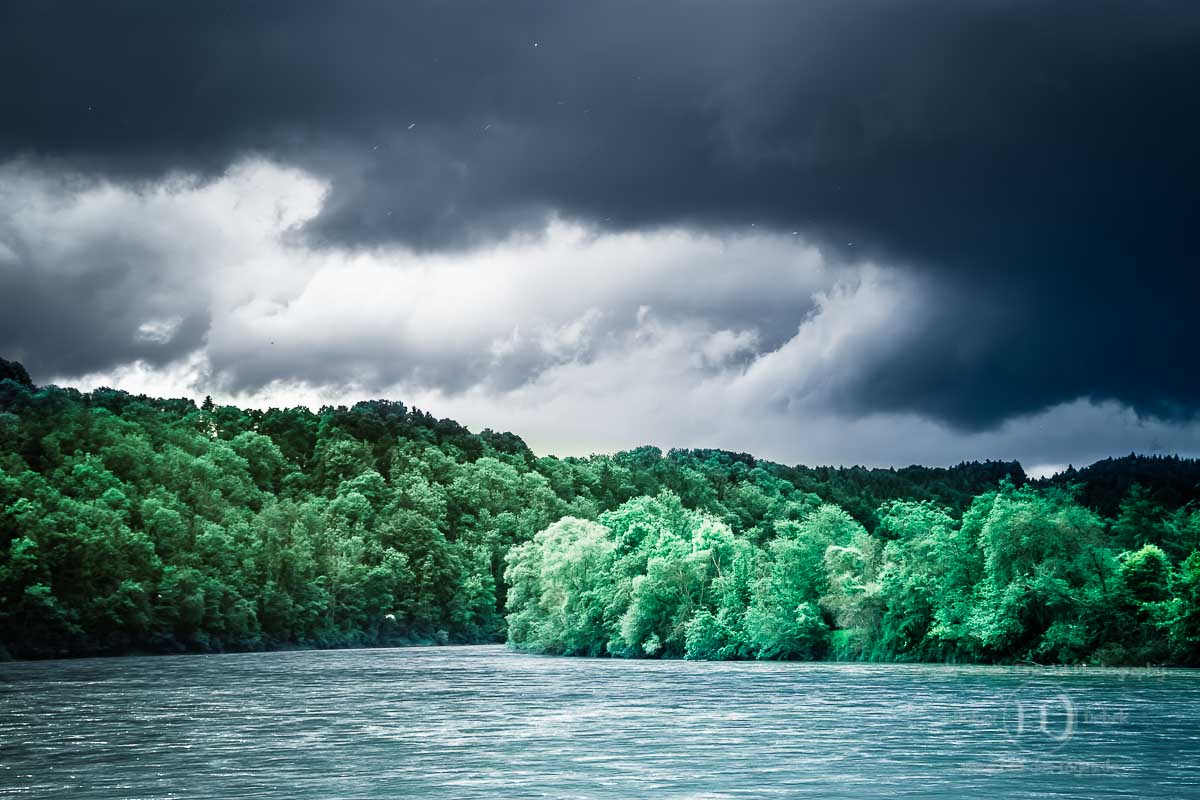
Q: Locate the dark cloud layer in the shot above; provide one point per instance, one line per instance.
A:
(1038, 160)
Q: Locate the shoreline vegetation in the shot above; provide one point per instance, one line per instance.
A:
(265, 647)
(131, 524)
(1148, 669)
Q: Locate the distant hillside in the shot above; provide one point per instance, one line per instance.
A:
(1170, 480)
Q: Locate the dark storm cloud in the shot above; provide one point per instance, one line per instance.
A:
(96, 296)
(75, 325)
(1038, 159)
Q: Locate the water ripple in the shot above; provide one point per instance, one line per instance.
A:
(482, 721)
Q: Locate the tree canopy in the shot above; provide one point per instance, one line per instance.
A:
(137, 524)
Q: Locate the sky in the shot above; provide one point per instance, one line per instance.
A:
(865, 232)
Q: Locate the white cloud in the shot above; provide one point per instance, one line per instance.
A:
(227, 251)
(580, 342)
(158, 331)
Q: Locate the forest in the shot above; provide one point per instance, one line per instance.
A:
(130, 524)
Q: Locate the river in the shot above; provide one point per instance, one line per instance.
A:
(486, 722)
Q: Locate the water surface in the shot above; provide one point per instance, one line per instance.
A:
(485, 722)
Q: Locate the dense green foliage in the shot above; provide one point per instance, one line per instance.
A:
(1023, 574)
(138, 524)
(130, 524)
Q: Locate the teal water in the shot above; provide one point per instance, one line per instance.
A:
(485, 722)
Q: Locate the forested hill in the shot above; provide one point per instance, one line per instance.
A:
(135, 524)
(1166, 481)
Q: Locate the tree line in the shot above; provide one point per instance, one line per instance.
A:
(1024, 574)
(137, 524)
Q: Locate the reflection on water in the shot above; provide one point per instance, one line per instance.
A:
(481, 721)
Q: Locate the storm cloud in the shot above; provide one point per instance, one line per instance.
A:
(986, 209)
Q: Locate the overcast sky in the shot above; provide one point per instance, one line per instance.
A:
(820, 232)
